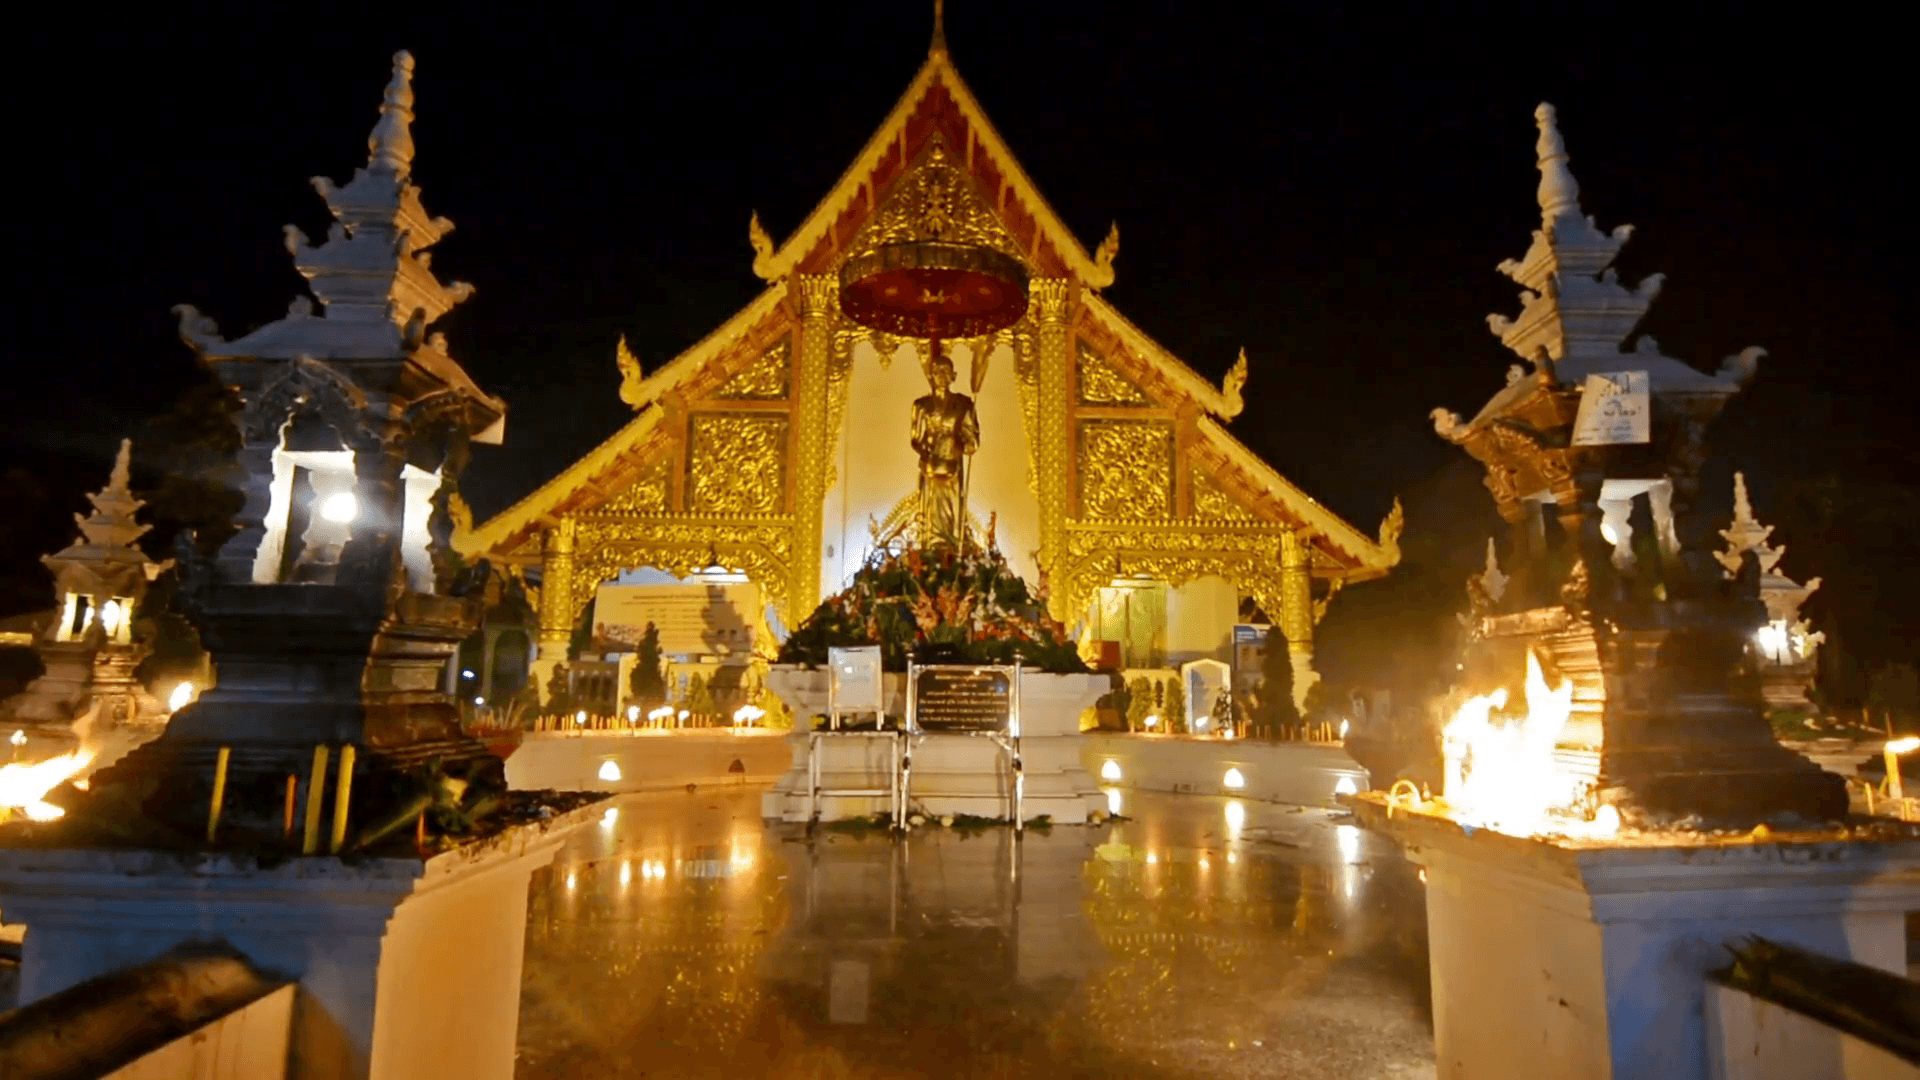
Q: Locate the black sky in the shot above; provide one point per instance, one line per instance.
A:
(1332, 192)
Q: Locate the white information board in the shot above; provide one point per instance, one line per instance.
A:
(1614, 409)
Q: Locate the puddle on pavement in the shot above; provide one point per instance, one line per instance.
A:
(1201, 938)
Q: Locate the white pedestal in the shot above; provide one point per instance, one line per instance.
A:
(407, 967)
(1586, 961)
(968, 773)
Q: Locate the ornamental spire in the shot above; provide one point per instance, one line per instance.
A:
(390, 145)
(1559, 191)
(939, 45)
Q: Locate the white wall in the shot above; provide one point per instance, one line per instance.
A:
(1301, 773)
(1200, 618)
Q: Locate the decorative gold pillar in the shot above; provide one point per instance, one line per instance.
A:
(819, 299)
(556, 592)
(1296, 611)
(1053, 434)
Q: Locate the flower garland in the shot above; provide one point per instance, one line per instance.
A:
(966, 605)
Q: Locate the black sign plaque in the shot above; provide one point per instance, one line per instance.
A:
(962, 698)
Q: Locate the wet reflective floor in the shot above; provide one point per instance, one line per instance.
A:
(1203, 937)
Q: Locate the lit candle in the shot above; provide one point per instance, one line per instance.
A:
(219, 791)
(1893, 750)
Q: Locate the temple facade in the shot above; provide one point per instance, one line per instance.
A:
(777, 447)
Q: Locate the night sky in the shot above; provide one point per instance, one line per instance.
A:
(1331, 193)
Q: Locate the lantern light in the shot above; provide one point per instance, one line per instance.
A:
(340, 507)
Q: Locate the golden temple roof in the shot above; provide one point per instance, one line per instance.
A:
(937, 102)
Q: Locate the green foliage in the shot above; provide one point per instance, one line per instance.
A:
(559, 692)
(646, 682)
(174, 649)
(699, 696)
(970, 604)
(1276, 711)
(1139, 704)
(1175, 707)
(190, 453)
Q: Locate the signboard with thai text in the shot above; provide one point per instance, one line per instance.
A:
(693, 620)
(962, 698)
(1614, 409)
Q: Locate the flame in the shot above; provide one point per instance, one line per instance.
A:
(23, 787)
(1502, 775)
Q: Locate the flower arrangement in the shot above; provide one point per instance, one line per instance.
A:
(962, 606)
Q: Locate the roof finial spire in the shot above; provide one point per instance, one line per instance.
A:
(390, 146)
(939, 45)
(1742, 508)
(1559, 192)
(122, 469)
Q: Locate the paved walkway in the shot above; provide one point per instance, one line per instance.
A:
(1205, 937)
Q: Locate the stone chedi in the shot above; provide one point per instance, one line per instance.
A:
(338, 637)
(89, 648)
(1104, 461)
(1654, 636)
(1786, 644)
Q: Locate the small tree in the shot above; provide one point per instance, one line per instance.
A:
(646, 682)
(699, 697)
(1176, 703)
(1276, 711)
(559, 692)
(1140, 705)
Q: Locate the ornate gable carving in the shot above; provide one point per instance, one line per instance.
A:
(1211, 502)
(736, 463)
(1102, 384)
(646, 494)
(935, 199)
(1126, 470)
(765, 379)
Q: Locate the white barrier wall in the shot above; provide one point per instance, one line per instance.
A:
(1751, 1039)
(648, 760)
(249, 1043)
(1305, 774)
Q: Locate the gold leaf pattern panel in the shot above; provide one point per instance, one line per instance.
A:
(1126, 470)
(1212, 503)
(647, 494)
(1100, 384)
(763, 380)
(736, 463)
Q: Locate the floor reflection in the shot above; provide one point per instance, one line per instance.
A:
(1201, 938)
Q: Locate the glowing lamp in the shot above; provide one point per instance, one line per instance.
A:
(181, 697)
(610, 772)
(18, 739)
(1346, 786)
(1233, 780)
(340, 507)
(1607, 533)
(633, 714)
(580, 717)
(112, 614)
(1110, 771)
(479, 700)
